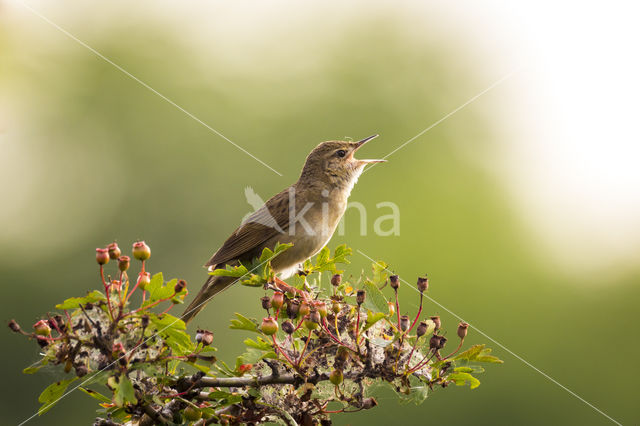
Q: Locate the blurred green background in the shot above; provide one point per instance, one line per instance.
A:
(90, 156)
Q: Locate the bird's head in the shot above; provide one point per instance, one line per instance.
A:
(334, 162)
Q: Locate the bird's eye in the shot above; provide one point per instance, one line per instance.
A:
(341, 153)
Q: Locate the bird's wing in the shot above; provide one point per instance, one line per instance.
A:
(266, 222)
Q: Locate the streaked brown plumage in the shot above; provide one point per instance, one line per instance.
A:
(305, 214)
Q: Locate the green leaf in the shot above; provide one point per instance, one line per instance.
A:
(373, 318)
(124, 392)
(95, 395)
(461, 378)
(53, 393)
(478, 353)
(380, 272)
(230, 271)
(75, 302)
(158, 290)
(173, 332)
(260, 344)
(375, 300)
(252, 356)
(32, 370)
(243, 323)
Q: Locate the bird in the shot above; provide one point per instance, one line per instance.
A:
(305, 215)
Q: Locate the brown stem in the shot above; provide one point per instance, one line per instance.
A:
(457, 349)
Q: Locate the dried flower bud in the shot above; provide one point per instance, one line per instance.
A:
(14, 326)
(52, 323)
(102, 256)
(422, 329)
(462, 329)
(321, 307)
(199, 335)
(293, 308)
(437, 342)
(335, 307)
(266, 302)
(269, 326)
(304, 308)
(141, 250)
(180, 285)
(360, 296)
(288, 327)
(394, 281)
(436, 321)
(207, 338)
(144, 321)
(369, 403)
(144, 278)
(42, 341)
(404, 322)
(42, 328)
(336, 280)
(423, 284)
(114, 251)
(277, 300)
(336, 377)
(123, 263)
(81, 370)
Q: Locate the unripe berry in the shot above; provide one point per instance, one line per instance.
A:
(336, 377)
(423, 284)
(462, 330)
(42, 328)
(102, 256)
(394, 282)
(336, 280)
(114, 251)
(123, 263)
(304, 308)
(436, 321)
(309, 323)
(277, 300)
(335, 307)
(192, 414)
(141, 250)
(360, 296)
(180, 285)
(269, 326)
(288, 327)
(321, 307)
(144, 278)
(404, 322)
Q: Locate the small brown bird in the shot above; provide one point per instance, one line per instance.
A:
(305, 214)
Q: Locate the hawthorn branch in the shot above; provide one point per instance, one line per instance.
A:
(281, 379)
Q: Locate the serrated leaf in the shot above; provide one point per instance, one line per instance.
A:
(52, 394)
(32, 370)
(75, 302)
(478, 353)
(375, 300)
(230, 271)
(172, 330)
(158, 290)
(461, 378)
(243, 323)
(124, 392)
(252, 356)
(373, 318)
(259, 344)
(380, 272)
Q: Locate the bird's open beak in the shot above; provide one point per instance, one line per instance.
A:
(359, 145)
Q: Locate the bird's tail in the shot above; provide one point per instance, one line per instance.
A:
(213, 286)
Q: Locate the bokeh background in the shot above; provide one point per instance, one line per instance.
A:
(523, 206)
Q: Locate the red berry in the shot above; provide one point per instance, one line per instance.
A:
(114, 251)
(102, 256)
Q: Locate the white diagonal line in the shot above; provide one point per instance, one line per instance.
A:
(142, 83)
(527, 363)
(470, 100)
(139, 345)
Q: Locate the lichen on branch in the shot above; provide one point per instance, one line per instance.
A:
(325, 343)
